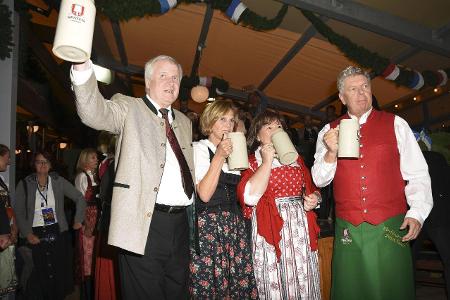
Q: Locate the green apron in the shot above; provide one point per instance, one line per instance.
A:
(371, 262)
(8, 278)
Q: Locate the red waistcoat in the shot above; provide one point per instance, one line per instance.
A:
(371, 189)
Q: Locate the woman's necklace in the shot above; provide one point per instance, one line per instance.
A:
(44, 186)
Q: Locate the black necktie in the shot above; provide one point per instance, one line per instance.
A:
(188, 184)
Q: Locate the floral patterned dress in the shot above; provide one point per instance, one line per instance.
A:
(223, 269)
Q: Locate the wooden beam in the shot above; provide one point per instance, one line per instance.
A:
(301, 42)
(201, 44)
(232, 93)
(431, 121)
(46, 34)
(112, 64)
(371, 19)
(276, 104)
(30, 99)
(48, 61)
(122, 52)
(100, 48)
(408, 98)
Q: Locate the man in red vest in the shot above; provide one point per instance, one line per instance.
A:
(382, 198)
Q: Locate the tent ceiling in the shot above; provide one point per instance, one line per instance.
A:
(245, 57)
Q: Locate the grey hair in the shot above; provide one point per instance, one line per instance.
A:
(150, 64)
(3, 150)
(347, 72)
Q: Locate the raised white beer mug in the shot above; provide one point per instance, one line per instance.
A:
(285, 150)
(74, 31)
(238, 159)
(348, 138)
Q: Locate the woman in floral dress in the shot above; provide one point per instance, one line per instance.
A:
(279, 199)
(223, 267)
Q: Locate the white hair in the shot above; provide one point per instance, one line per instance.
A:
(347, 72)
(150, 64)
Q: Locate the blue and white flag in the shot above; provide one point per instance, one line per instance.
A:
(166, 5)
(417, 82)
(235, 10)
(444, 77)
(423, 137)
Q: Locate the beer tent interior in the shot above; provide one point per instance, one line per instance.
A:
(294, 65)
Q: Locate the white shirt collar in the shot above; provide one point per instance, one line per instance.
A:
(208, 144)
(363, 118)
(156, 105)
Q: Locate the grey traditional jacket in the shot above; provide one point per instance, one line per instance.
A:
(26, 197)
(140, 158)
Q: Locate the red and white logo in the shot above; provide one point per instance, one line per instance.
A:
(77, 10)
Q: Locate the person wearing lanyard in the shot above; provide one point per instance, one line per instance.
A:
(41, 220)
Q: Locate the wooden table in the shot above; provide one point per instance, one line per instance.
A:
(325, 255)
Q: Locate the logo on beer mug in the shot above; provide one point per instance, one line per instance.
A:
(77, 10)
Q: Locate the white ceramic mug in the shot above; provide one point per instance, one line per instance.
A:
(348, 138)
(74, 31)
(285, 150)
(238, 159)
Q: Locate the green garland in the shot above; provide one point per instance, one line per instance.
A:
(119, 10)
(368, 59)
(6, 38)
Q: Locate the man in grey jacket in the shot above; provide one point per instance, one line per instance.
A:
(153, 184)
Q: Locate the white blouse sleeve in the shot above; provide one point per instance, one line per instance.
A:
(201, 160)
(414, 170)
(81, 183)
(322, 172)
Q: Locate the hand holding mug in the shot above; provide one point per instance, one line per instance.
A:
(267, 153)
(225, 147)
(330, 140)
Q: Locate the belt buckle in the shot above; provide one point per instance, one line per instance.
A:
(171, 208)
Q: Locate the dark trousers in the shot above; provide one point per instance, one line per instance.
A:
(440, 236)
(162, 272)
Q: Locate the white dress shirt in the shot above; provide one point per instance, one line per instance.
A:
(413, 168)
(171, 191)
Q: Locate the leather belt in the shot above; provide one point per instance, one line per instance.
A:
(169, 209)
